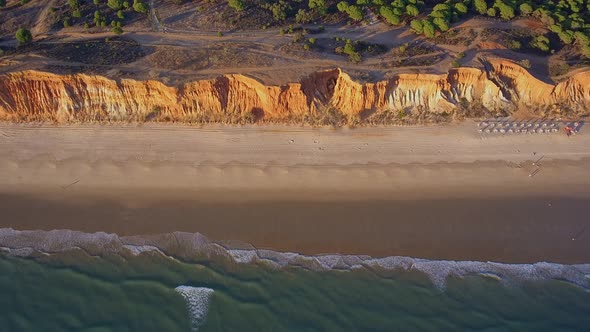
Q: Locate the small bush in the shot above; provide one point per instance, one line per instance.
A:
(526, 63)
(74, 4)
(311, 41)
(117, 30)
(120, 15)
(455, 63)
(514, 45)
(238, 5)
(219, 34)
(140, 7)
(115, 4)
(23, 36)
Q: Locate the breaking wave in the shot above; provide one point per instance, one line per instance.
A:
(191, 246)
(197, 301)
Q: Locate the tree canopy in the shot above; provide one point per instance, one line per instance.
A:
(23, 36)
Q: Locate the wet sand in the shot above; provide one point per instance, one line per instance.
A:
(374, 194)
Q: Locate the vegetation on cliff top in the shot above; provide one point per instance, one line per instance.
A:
(568, 20)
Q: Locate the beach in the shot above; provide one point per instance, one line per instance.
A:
(436, 192)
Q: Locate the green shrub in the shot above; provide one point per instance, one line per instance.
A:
(389, 15)
(219, 34)
(76, 13)
(303, 16)
(311, 41)
(441, 24)
(355, 13)
(455, 63)
(526, 63)
(23, 36)
(140, 6)
(403, 48)
(96, 2)
(461, 8)
(117, 30)
(319, 5)
(120, 15)
(514, 45)
(417, 26)
(582, 38)
(238, 5)
(74, 4)
(526, 9)
(412, 10)
(541, 43)
(480, 6)
(115, 4)
(67, 22)
(429, 29)
(567, 37)
(506, 11)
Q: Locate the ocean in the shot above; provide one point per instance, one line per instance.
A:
(90, 287)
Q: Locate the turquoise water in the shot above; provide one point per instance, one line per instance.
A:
(78, 292)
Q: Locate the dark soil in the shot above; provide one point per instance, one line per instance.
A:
(110, 51)
(414, 61)
(460, 36)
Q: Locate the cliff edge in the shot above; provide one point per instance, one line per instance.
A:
(501, 86)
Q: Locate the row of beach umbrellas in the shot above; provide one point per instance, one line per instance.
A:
(523, 127)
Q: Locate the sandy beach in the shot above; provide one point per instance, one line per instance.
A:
(441, 192)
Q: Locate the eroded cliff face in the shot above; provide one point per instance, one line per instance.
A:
(33, 95)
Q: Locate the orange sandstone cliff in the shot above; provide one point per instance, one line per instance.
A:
(33, 95)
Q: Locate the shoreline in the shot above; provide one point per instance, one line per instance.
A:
(395, 196)
(194, 247)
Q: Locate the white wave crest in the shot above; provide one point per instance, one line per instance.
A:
(197, 300)
(195, 246)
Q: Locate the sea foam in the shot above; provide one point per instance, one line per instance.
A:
(197, 301)
(195, 246)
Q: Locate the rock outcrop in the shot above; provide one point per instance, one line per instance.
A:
(34, 95)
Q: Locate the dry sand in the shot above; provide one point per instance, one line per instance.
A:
(442, 192)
